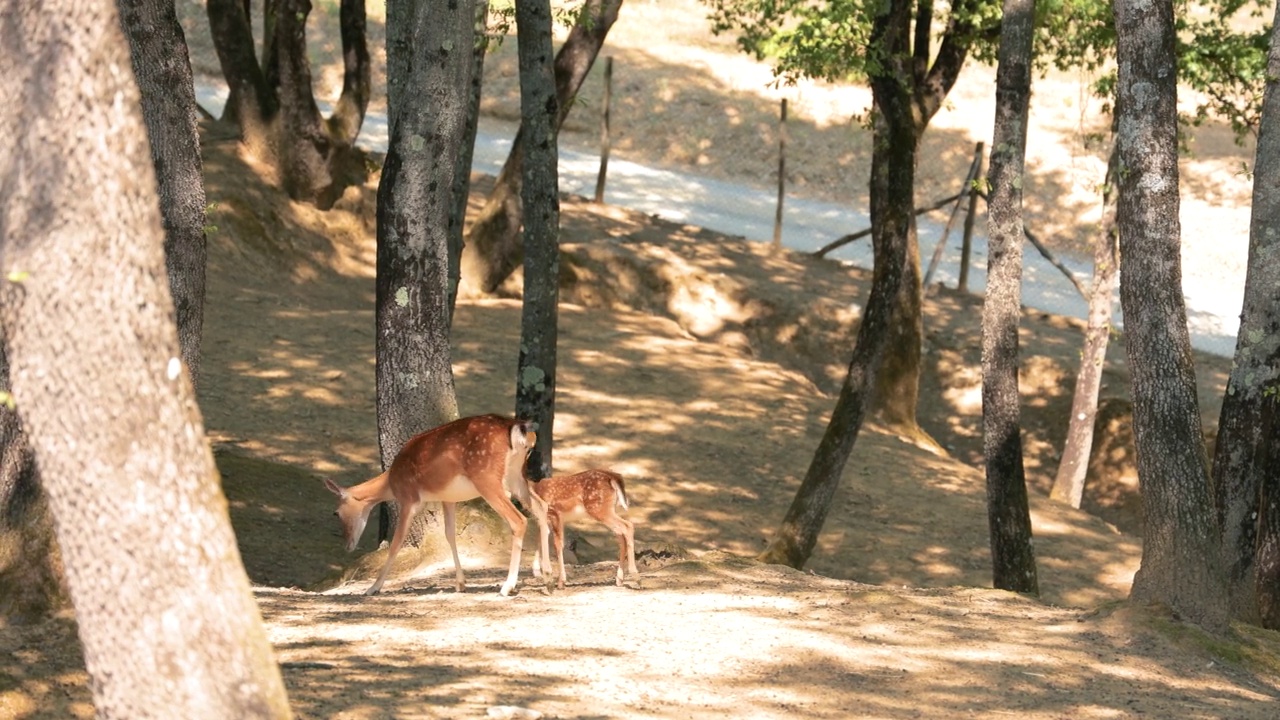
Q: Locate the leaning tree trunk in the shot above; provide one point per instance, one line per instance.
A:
(357, 75)
(1068, 484)
(415, 197)
(161, 65)
(536, 367)
(1013, 558)
(494, 245)
(796, 537)
(32, 581)
(1181, 550)
(251, 103)
(462, 175)
(1239, 474)
(165, 613)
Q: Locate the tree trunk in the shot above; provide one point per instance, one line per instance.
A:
(1008, 517)
(1068, 485)
(32, 581)
(494, 245)
(302, 140)
(415, 198)
(1267, 461)
(794, 542)
(462, 176)
(1181, 551)
(897, 383)
(251, 104)
(164, 609)
(1239, 478)
(540, 193)
(400, 23)
(160, 63)
(273, 103)
(357, 81)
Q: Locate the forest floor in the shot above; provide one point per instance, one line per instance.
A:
(702, 367)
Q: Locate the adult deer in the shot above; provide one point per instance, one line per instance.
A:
(481, 456)
(596, 493)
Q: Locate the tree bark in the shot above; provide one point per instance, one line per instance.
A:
(251, 104)
(1068, 484)
(1244, 497)
(400, 24)
(1008, 516)
(415, 198)
(357, 76)
(163, 605)
(32, 580)
(798, 534)
(897, 383)
(540, 193)
(1267, 460)
(494, 246)
(303, 140)
(160, 63)
(1181, 551)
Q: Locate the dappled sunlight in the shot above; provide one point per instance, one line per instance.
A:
(789, 644)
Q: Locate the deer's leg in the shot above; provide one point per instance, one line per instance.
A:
(451, 534)
(541, 558)
(397, 540)
(499, 501)
(557, 527)
(625, 533)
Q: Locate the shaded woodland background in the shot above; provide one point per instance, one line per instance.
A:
(701, 366)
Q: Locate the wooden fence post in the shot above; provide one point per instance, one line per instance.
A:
(967, 246)
(782, 175)
(604, 129)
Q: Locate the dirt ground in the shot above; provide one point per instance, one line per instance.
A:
(702, 367)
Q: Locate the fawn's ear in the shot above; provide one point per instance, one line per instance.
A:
(335, 488)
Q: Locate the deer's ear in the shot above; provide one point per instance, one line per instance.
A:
(521, 435)
(335, 488)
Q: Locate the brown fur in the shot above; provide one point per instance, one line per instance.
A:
(596, 493)
(479, 456)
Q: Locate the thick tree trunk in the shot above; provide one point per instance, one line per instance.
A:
(1244, 495)
(796, 537)
(1068, 484)
(494, 246)
(540, 193)
(357, 79)
(165, 613)
(1013, 556)
(160, 63)
(415, 198)
(251, 105)
(1181, 552)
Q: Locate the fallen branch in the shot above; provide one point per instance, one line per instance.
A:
(846, 239)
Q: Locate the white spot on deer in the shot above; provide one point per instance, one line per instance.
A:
(174, 368)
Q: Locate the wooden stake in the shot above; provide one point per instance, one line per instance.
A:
(604, 129)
